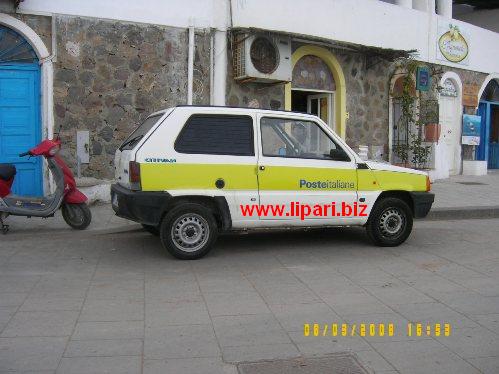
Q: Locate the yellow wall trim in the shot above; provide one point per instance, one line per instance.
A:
(339, 78)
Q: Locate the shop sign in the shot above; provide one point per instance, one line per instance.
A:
(471, 129)
(452, 43)
(470, 94)
(422, 78)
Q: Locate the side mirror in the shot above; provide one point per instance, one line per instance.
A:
(338, 154)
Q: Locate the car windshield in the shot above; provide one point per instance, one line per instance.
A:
(139, 132)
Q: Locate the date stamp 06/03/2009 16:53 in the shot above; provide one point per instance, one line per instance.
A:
(412, 329)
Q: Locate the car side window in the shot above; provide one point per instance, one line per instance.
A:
(217, 134)
(283, 137)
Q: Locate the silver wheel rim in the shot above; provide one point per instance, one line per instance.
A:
(190, 232)
(391, 222)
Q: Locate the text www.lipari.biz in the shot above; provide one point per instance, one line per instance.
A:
(303, 211)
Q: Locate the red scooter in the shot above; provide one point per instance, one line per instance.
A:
(66, 196)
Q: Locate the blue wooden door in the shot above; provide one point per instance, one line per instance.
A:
(20, 125)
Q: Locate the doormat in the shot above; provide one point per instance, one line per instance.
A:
(473, 183)
(339, 363)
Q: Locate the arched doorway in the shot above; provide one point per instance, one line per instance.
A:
(26, 76)
(488, 109)
(20, 125)
(399, 130)
(448, 158)
(318, 86)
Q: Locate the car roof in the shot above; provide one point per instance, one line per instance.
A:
(235, 108)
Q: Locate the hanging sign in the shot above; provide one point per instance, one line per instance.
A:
(452, 44)
(422, 78)
(471, 129)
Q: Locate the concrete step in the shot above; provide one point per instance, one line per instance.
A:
(468, 212)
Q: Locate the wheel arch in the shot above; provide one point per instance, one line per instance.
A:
(399, 194)
(217, 204)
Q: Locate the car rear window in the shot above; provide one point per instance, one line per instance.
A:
(217, 135)
(139, 132)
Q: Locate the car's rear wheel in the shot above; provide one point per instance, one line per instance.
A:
(390, 222)
(188, 231)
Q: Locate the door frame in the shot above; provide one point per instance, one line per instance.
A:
(329, 95)
(46, 84)
(457, 127)
(321, 93)
(485, 131)
(458, 84)
(35, 67)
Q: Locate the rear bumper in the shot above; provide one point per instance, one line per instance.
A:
(422, 203)
(139, 206)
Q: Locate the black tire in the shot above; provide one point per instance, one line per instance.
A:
(78, 216)
(151, 229)
(188, 231)
(390, 222)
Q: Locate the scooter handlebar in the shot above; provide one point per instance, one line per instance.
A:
(24, 154)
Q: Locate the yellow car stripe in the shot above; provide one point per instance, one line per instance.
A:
(160, 177)
(166, 176)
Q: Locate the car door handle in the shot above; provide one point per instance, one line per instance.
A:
(261, 167)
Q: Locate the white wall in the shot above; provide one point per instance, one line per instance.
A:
(365, 22)
(162, 12)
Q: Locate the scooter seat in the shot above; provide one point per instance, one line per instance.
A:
(7, 171)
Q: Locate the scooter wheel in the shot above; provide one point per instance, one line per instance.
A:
(78, 216)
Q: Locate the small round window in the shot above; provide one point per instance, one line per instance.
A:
(264, 55)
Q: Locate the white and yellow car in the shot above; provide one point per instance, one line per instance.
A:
(188, 173)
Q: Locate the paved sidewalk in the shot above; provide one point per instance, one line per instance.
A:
(467, 191)
(93, 302)
(464, 197)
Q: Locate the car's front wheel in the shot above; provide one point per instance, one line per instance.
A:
(390, 222)
(188, 231)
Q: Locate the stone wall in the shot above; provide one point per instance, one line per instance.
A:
(109, 75)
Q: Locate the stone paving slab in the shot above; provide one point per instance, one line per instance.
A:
(83, 302)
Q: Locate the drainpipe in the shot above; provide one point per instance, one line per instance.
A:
(190, 65)
(220, 68)
(221, 22)
(212, 63)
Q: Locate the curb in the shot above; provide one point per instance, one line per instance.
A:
(471, 212)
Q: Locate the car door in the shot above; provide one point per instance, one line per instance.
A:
(303, 170)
